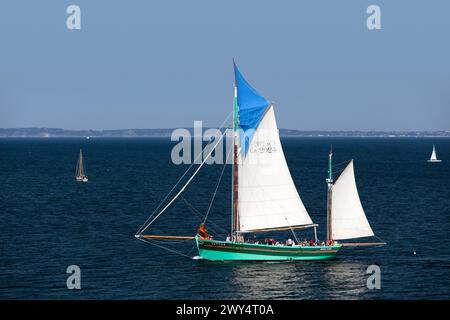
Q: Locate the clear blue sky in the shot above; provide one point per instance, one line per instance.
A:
(159, 64)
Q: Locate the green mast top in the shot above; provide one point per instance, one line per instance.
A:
(330, 171)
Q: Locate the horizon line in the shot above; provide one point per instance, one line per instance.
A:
(172, 128)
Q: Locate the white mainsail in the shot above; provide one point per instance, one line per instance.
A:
(348, 218)
(80, 172)
(434, 157)
(267, 194)
(433, 154)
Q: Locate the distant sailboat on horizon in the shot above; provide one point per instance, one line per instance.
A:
(433, 157)
(80, 174)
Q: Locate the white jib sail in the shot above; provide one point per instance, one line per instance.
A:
(347, 214)
(267, 194)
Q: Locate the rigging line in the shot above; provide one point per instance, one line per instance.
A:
(190, 206)
(217, 186)
(193, 209)
(214, 231)
(192, 249)
(184, 174)
(338, 164)
(165, 248)
(295, 237)
(379, 238)
(185, 185)
(181, 178)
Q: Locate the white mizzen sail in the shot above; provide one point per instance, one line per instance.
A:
(267, 194)
(347, 214)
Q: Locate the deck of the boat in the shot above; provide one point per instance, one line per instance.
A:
(227, 250)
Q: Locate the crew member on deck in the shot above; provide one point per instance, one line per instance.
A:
(203, 234)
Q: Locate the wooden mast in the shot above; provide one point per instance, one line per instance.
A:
(81, 170)
(235, 191)
(235, 173)
(329, 196)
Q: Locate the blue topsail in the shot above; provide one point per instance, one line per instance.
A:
(252, 107)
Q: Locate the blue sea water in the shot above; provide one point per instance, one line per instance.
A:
(48, 222)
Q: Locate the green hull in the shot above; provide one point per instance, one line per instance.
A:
(239, 251)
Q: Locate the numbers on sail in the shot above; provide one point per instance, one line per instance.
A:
(263, 147)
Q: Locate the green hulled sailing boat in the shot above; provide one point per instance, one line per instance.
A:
(265, 199)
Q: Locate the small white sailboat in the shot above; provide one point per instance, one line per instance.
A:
(433, 157)
(80, 174)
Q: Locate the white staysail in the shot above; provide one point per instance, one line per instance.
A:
(347, 214)
(267, 194)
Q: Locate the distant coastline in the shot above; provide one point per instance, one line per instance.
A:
(164, 133)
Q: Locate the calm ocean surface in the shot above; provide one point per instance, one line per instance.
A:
(48, 222)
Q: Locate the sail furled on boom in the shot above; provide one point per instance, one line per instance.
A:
(252, 107)
(348, 217)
